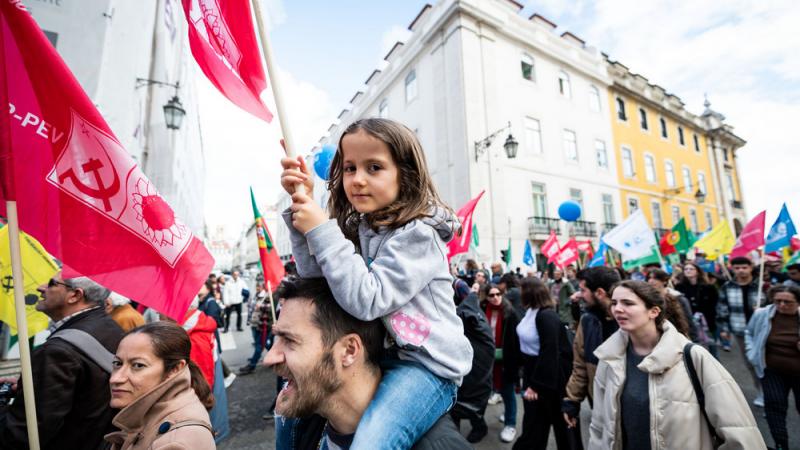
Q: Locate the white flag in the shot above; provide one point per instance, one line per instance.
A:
(633, 238)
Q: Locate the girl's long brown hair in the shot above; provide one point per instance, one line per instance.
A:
(669, 306)
(417, 195)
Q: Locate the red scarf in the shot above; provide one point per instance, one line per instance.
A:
(498, 328)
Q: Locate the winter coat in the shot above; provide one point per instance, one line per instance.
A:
(755, 337)
(476, 388)
(676, 420)
(169, 417)
(703, 298)
(71, 391)
(201, 329)
(399, 275)
(588, 337)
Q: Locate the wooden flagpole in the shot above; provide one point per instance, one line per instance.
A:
(271, 303)
(22, 326)
(266, 49)
(760, 277)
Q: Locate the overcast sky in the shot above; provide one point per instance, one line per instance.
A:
(743, 54)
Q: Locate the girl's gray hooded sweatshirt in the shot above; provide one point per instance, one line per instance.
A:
(402, 277)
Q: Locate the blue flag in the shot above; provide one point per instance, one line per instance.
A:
(780, 235)
(599, 258)
(527, 255)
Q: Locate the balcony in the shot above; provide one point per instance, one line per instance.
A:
(543, 225)
(608, 226)
(736, 204)
(582, 228)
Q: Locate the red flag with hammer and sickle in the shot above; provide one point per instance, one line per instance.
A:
(78, 192)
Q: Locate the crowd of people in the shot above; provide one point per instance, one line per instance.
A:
(379, 343)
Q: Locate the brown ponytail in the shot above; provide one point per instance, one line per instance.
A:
(171, 344)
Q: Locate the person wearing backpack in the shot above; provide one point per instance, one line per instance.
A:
(654, 389)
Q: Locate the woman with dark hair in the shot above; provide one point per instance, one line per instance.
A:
(678, 310)
(503, 320)
(643, 393)
(547, 364)
(772, 341)
(162, 394)
(703, 298)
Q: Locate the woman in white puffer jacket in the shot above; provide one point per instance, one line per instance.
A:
(643, 395)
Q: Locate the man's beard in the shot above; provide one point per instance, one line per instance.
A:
(312, 389)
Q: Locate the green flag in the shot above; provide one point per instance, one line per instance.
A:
(508, 255)
(652, 258)
(682, 239)
(475, 239)
(793, 260)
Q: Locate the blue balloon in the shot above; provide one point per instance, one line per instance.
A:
(570, 211)
(322, 161)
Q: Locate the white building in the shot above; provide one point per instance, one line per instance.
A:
(114, 48)
(470, 68)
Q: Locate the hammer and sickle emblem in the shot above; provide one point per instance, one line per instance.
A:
(102, 191)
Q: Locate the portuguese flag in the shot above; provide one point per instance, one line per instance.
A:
(677, 240)
(270, 260)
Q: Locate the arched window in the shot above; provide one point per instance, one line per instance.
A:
(663, 128)
(411, 86)
(528, 67)
(383, 109)
(621, 115)
(564, 87)
(643, 118)
(594, 99)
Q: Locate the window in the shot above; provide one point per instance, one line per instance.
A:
(663, 128)
(729, 186)
(533, 136)
(709, 223)
(570, 146)
(539, 200)
(576, 195)
(650, 168)
(383, 109)
(656, 210)
(669, 171)
(608, 208)
(411, 86)
(693, 220)
(696, 143)
(528, 67)
(725, 154)
(701, 182)
(681, 140)
(687, 180)
(621, 110)
(594, 99)
(627, 163)
(600, 154)
(676, 215)
(563, 85)
(633, 205)
(643, 118)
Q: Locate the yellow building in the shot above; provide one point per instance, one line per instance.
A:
(663, 163)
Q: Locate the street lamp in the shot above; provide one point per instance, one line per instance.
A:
(511, 145)
(700, 196)
(173, 110)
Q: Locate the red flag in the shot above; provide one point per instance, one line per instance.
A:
(79, 193)
(568, 254)
(667, 243)
(752, 236)
(587, 248)
(460, 243)
(224, 45)
(794, 244)
(550, 248)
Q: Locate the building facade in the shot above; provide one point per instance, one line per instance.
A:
(662, 156)
(476, 68)
(125, 56)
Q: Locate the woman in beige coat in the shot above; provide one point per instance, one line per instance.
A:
(162, 394)
(643, 395)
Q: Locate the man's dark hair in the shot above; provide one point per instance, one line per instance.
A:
(793, 267)
(599, 277)
(741, 260)
(510, 280)
(331, 319)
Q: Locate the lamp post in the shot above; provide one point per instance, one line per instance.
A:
(173, 110)
(510, 146)
(700, 196)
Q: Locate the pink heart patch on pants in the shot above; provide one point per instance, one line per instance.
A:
(414, 330)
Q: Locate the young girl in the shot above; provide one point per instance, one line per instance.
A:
(384, 256)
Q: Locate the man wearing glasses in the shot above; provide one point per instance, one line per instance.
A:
(70, 382)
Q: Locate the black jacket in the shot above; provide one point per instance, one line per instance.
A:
(703, 298)
(476, 388)
(550, 370)
(71, 391)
